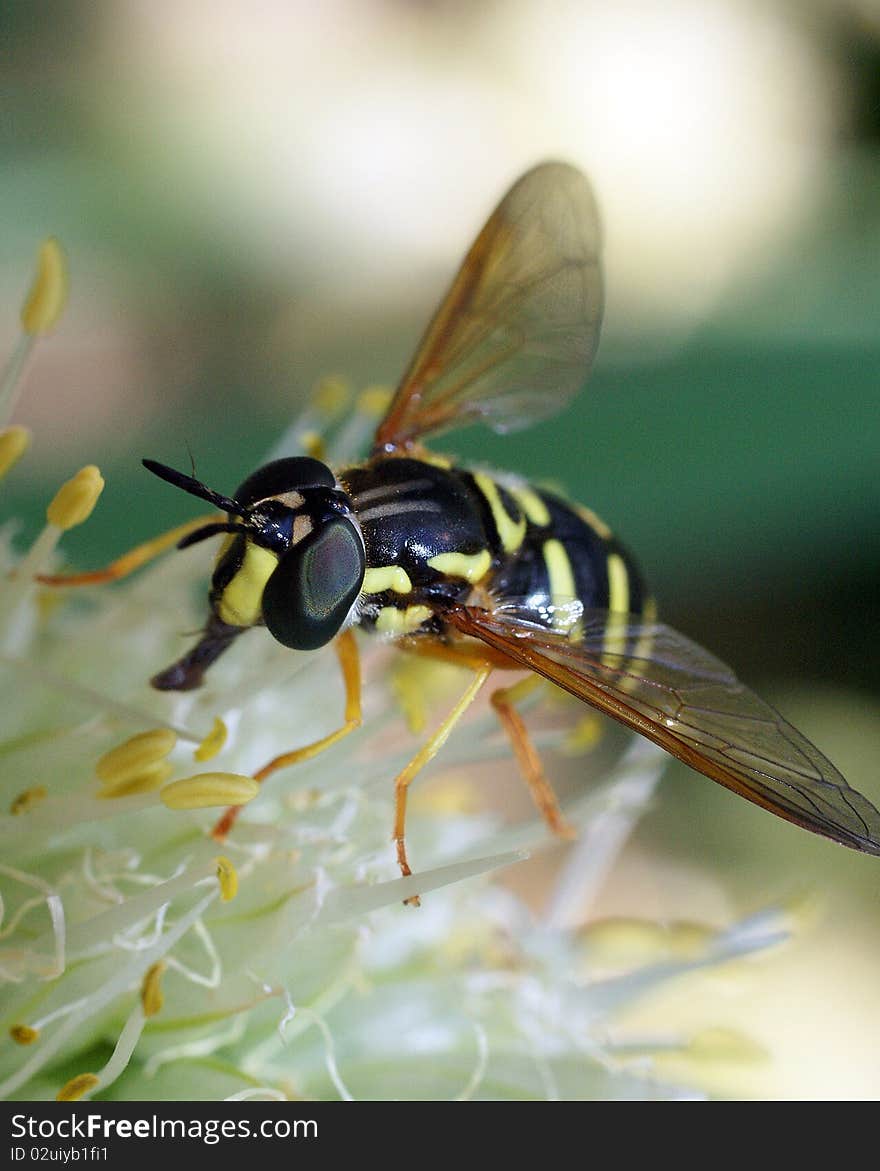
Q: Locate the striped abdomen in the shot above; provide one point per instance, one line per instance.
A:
(567, 552)
(433, 532)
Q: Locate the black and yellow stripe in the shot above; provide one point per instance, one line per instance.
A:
(504, 520)
(240, 575)
(435, 532)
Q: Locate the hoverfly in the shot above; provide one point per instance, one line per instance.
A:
(484, 569)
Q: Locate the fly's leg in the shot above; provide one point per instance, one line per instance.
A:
(503, 701)
(427, 753)
(349, 661)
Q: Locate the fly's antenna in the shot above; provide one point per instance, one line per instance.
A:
(196, 488)
(206, 531)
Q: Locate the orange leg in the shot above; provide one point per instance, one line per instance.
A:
(529, 762)
(350, 663)
(427, 753)
(129, 561)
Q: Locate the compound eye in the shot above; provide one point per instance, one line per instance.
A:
(309, 595)
(284, 475)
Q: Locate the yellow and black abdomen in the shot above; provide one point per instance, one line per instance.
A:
(549, 550)
(434, 531)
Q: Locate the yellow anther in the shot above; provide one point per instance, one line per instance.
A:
(301, 800)
(14, 442)
(624, 942)
(718, 1044)
(448, 798)
(75, 500)
(421, 685)
(24, 1034)
(687, 940)
(47, 602)
(135, 756)
(313, 445)
(25, 801)
(630, 943)
(213, 742)
(803, 911)
(227, 876)
(48, 296)
(147, 781)
(584, 736)
(152, 998)
(210, 789)
(411, 701)
(374, 400)
(331, 395)
(77, 1087)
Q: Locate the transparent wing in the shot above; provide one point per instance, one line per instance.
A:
(664, 686)
(514, 338)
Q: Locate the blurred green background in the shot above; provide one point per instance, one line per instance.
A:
(252, 196)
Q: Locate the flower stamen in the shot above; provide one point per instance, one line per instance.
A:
(135, 755)
(148, 780)
(24, 1034)
(75, 500)
(213, 743)
(14, 442)
(26, 801)
(583, 736)
(77, 1087)
(207, 790)
(152, 997)
(39, 315)
(227, 876)
(48, 294)
(72, 504)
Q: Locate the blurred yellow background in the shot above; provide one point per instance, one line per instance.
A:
(252, 196)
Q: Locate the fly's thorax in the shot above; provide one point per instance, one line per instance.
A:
(412, 512)
(425, 541)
